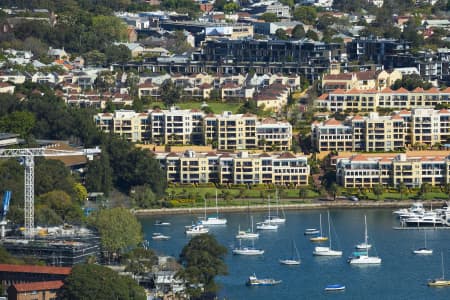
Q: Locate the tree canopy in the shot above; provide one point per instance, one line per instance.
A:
(119, 230)
(203, 260)
(89, 281)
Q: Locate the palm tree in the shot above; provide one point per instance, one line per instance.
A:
(402, 189)
(378, 190)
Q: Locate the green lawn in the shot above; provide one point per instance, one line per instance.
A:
(217, 107)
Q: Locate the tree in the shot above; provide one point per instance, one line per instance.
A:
(99, 174)
(139, 261)
(143, 196)
(305, 14)
(90, 281)
(95, 58)
(119, 230)
(202, 259)
(20, 122)
(108, 29)
(170, 94)
(424, 189)
(302, 193)
(298, 32)
(230, 7)
(269, 17)
(335, 190)
(378, 190)
(119, 54)
(280, 33)
(311, 34)
(402, 189)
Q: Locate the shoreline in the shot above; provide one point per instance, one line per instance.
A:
(300, 206)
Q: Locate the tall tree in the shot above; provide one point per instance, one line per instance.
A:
(203, 259)
(170, 94)
(119, 230)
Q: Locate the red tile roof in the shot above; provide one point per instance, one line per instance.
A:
(35, 269)
(287, 155)
(332, 122)
(402, 90)
(38, 286)
(342, 76)
(359, 157)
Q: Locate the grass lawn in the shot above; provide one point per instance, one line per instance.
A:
(217, 107)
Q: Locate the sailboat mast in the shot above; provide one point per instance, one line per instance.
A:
(320, 222)
(217, 207)
(268, 199)
(329, 229)
(276, 195)
(442, 265)
(252, 222)
(365, 235)
(205, 208)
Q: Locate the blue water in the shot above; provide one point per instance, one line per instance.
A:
(402, 275)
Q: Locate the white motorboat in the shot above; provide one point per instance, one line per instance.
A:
(160, 237)
(334, 288)
(248, 234)
(423, 250)
(429, 219)
(254, 281)
(363, 258)
(295, 258)
(213, 220)
(416, 208)
(161, 223)
(196, 229)
(327, 251)
(247, 250)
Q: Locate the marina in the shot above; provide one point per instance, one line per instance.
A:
(402, 275)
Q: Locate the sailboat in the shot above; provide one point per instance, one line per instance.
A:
(213, 220)
(275, 219)
(327, 251)
(423, 250)
(363, 258)
(267, 225)
(439, 282)
(247, 250)
(295, 258)
(247, 235)
(320, 237)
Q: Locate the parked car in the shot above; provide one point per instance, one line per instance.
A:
(353, 198)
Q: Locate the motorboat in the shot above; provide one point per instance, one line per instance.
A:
(363, 258)
(160, 237)
(427, 220)
(327, 251)
(266, 226)
(311, 231)
(161, 223)
(196, 229)
(213, 220)
(254, 281)
(416, 208)
(334, 287)
(295, 257)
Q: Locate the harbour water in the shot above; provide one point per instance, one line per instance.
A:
(401, 275)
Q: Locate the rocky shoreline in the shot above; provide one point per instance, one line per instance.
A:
(300, 206)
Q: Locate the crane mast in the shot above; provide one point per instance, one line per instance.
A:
(28, 155)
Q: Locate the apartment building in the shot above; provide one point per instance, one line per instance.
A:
(372, 99)
(226, 131)
(237, 168)
(126, 123)
(383, 133)
(392, 170)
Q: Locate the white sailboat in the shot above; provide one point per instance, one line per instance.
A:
(327, 251)
(267, 225)
(295, 258)
(275, 219)
(320, 237)
(247, 235)
(213, 220)
(423, 250)
(440, 282)
(363, 258)
(249, 251)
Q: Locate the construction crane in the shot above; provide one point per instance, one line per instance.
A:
(28, 155)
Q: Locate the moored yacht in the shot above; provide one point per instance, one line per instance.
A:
(196, 229)
(363, 258)
(254, 281)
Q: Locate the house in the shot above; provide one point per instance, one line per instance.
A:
(6, 88)
(58, 53)
(135, 48)
(44, 290)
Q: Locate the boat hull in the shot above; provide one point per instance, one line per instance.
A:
(439, 283)
(318, 239)
(248, 252)
(289, 262)
(365, 261)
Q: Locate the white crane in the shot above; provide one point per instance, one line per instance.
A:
(28, 155)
